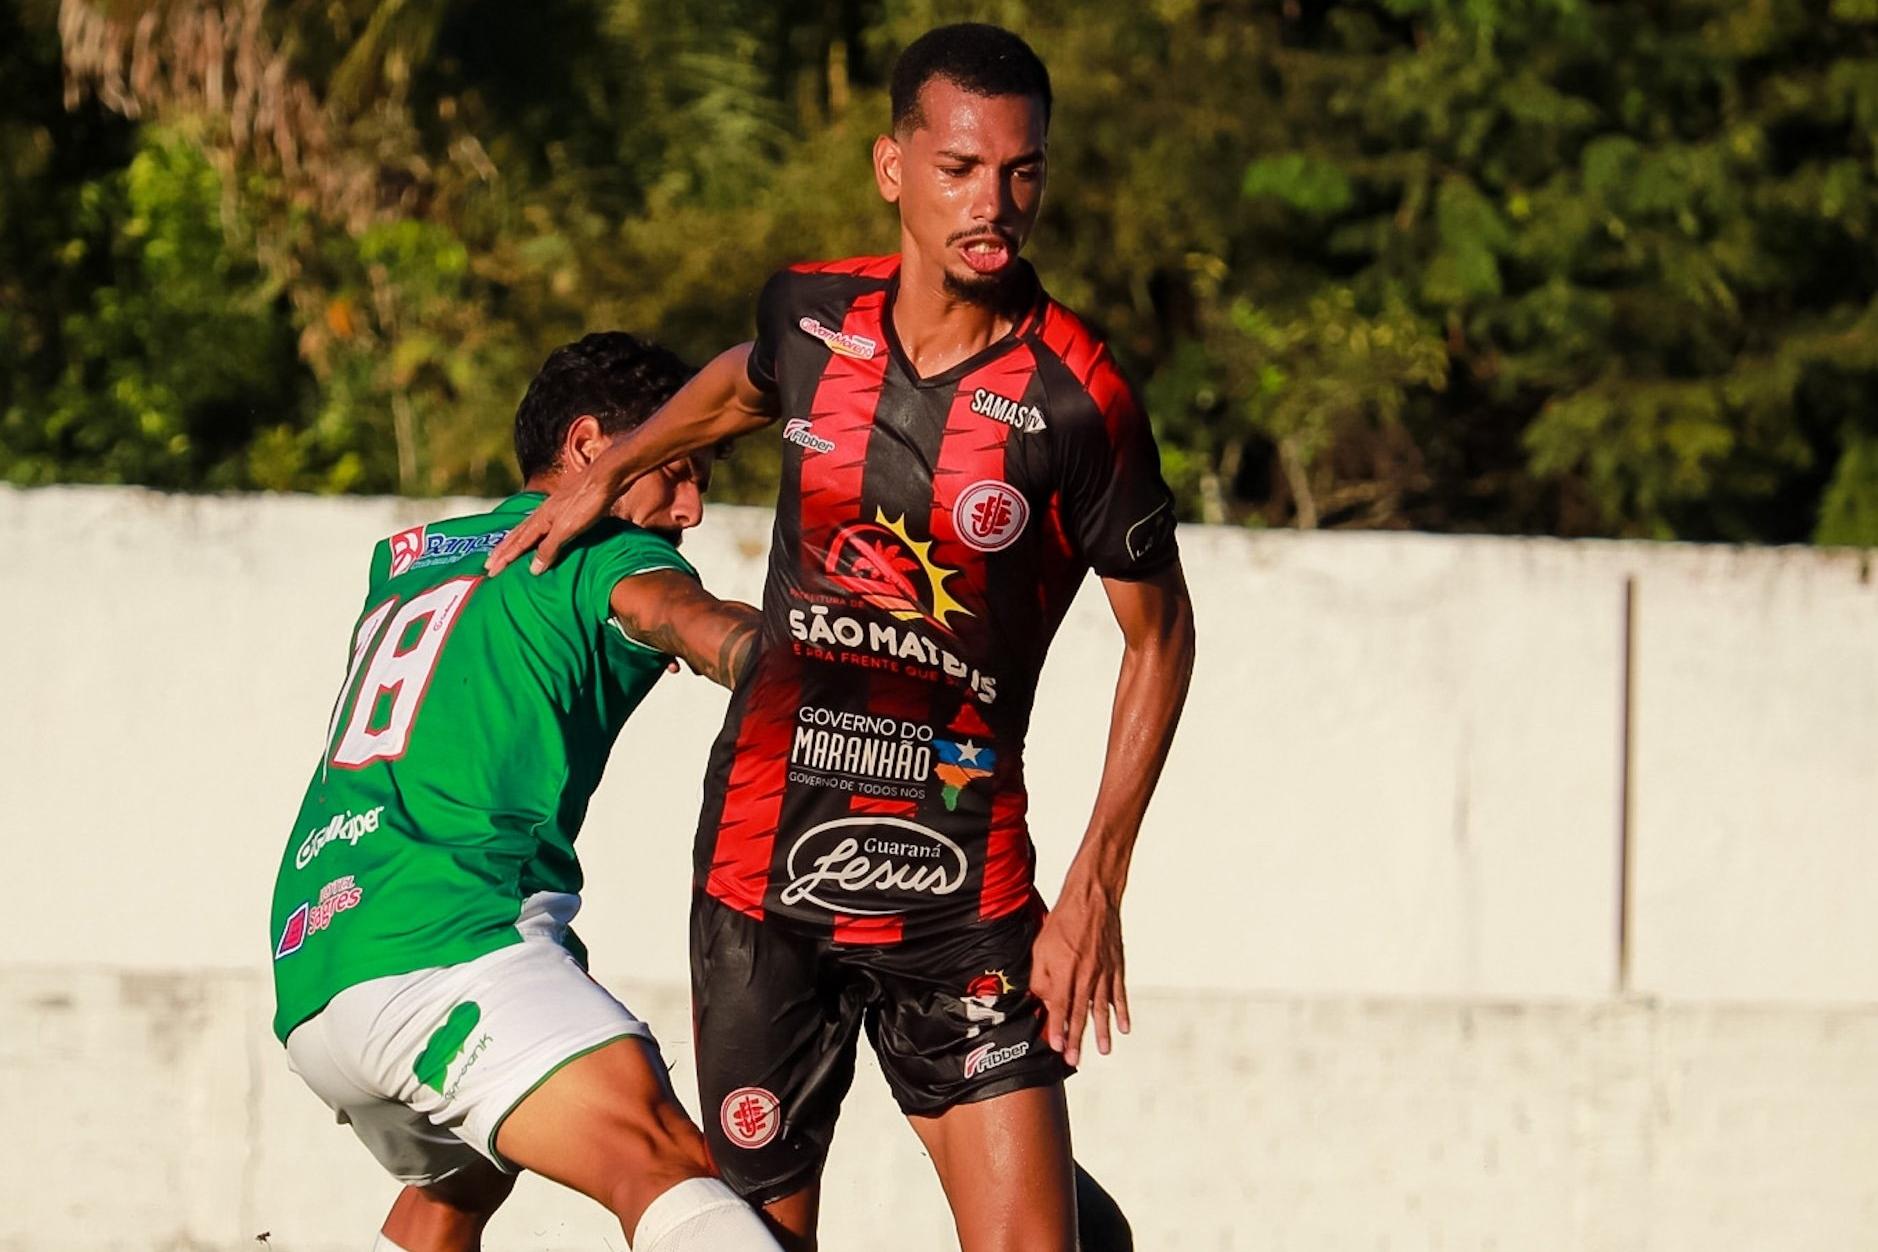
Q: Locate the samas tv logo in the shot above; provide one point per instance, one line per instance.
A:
(1025, 417)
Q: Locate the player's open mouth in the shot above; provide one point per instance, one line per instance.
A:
(986, 255)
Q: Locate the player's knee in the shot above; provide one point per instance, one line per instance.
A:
(448, 1213)
(648, 1150)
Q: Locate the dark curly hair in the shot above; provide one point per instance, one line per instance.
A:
(619, 379)
(982, 59)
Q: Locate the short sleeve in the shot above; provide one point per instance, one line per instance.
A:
(772, 322)
(1116, 506)
(621, 553)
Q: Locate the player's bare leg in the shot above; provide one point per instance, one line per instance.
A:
(1099, 1219)
(448, 1216)
(793, 1218)
(1006, 1169)
(607, 1126)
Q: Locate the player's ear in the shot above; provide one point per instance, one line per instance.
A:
(585, 441)
(887, 168)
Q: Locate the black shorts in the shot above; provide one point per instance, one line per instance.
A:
(777, 1011)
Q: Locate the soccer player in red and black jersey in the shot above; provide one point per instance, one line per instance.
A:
(960, 450)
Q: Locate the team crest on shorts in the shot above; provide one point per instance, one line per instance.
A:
(751, 1117)
(990, 515)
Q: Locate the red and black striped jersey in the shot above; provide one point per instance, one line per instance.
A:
(930, 535)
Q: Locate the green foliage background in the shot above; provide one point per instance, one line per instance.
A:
(1541, 266)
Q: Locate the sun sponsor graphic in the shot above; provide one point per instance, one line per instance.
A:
(844, 342)
(988, 1056)
(417, 548)
(822, 634)
(881, 564)
(345, 827)
(316, 915)
(861, 753)
(750, 1116)
(871, 866)
(800, 431)
(989, 515)
(1025, 417)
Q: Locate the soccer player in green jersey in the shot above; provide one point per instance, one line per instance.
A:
(428, 987)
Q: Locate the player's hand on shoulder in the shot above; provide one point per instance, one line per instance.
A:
(569, 511)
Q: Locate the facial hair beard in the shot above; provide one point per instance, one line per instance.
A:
(979, 288)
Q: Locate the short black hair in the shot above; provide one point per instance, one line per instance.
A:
(980, 58)
(618, 378)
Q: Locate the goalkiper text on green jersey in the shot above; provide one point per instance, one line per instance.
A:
(475, 720)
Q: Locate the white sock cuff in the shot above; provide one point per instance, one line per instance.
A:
(678, 1204)
(382, 1244)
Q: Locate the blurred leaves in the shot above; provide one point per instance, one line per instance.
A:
(1508, 265)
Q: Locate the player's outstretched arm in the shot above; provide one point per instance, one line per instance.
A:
(672, 612)
(719, 403)
(1077, 967)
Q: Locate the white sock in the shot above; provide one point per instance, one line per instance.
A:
(382, 1244)
(701, 1215)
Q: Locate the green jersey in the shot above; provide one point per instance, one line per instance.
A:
(475, 720)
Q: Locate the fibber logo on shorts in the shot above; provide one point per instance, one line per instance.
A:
(870, 866)
(986, 1057)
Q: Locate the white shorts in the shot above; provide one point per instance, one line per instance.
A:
(425, 1066)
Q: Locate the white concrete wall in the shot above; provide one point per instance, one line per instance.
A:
(153, 1111)
(1757, 777)
(1399, 777)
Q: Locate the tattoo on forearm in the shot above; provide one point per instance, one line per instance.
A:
(661, 636)
(734, 654)
(730, 661)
